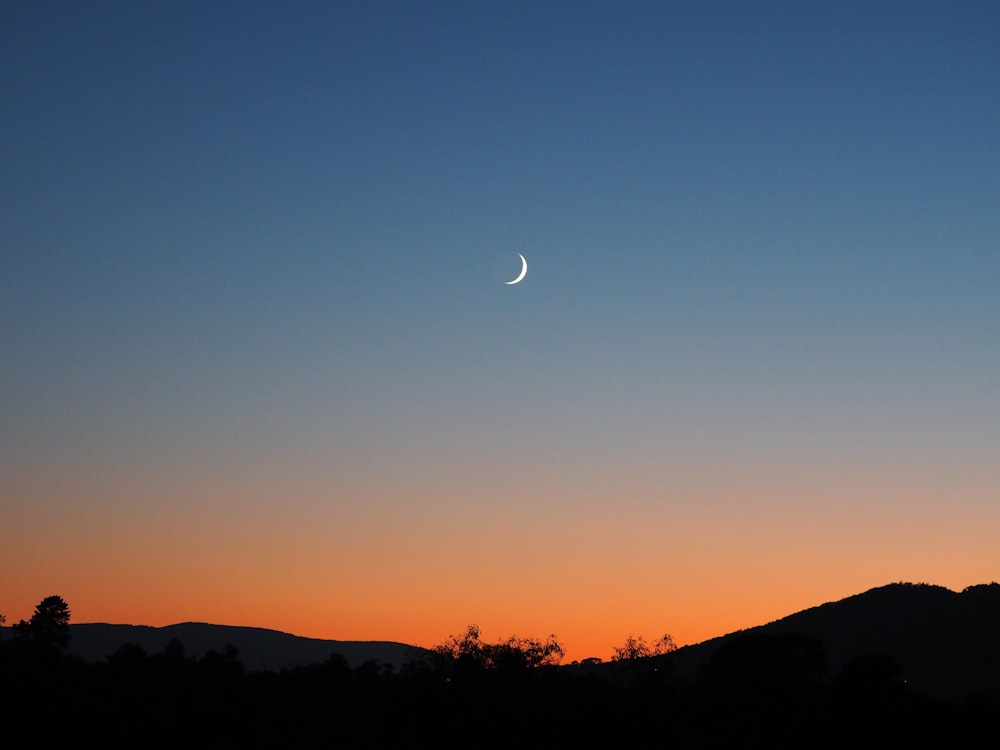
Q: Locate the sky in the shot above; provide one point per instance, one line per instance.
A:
(259, 365)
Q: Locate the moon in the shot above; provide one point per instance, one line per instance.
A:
(524, 270)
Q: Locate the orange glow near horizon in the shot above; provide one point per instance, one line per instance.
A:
(588, 578)
(594, 638)
(259, 365)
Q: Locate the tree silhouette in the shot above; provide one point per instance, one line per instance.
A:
(525, 653)
(637, 648)
(469, 652)
(48, 626)
(465, 647)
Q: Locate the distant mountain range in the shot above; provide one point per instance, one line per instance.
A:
(947, 644)
(259, 649)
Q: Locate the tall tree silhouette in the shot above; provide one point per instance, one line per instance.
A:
(48, 626)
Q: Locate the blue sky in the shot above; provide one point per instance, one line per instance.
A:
(250, 244)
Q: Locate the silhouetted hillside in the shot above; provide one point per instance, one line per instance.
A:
(259, 649)
(888, 668)
(947, 644)
(940, 643)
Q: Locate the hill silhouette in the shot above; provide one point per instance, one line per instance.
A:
(946, 644)
(942, 643)
(259, 649)
(901, 665)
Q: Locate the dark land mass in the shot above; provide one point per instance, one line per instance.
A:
(904, 665)
(259, 649)
(946, 644)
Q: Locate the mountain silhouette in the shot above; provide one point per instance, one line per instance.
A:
(942, 643)
(946, 644)
(903, 665)
(259, 649)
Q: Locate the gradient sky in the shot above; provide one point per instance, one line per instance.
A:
(258, 365)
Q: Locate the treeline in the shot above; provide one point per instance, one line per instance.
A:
(756, 691)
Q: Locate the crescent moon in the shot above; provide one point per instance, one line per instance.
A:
(524, 270)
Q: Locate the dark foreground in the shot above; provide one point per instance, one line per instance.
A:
(759, 691)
